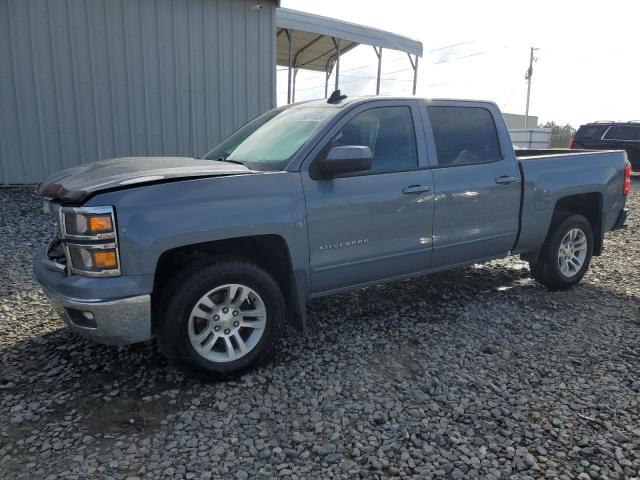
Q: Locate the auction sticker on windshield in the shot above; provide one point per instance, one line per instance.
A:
(311, 116)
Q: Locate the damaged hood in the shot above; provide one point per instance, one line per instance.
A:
(78, 183)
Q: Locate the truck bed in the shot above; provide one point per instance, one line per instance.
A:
(561, 173)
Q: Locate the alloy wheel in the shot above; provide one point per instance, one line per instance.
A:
(227, 322)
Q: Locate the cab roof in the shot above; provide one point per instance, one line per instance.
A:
(323, 103)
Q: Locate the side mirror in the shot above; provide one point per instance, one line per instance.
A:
(346, 159)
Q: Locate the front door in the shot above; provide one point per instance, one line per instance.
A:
(377, 224)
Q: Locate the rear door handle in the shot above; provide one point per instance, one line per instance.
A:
(505, 180)
(411, 189)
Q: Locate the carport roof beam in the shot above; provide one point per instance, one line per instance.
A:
(308, 27)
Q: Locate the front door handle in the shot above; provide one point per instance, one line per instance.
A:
(412, 189)
(505, 180)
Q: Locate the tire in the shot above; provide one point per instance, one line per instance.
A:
(187, 319)
(549, 270)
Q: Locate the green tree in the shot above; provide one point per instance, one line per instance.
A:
(560, 135)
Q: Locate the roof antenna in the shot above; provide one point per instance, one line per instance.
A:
(336, 97)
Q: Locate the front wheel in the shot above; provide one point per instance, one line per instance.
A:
(223, 317)
(566, 254)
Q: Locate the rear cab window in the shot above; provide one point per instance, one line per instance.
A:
(464, 135)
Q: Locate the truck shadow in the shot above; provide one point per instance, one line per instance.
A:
(59, 377)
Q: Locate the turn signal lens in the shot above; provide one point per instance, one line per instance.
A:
(105, 259)
(100, 223)
(627, 180)
(94, 260)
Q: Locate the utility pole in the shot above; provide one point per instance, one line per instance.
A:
(527, 77)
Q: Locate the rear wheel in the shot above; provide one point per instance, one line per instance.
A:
(224, 317)
(566, 254)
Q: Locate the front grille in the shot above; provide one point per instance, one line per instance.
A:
(55, 251)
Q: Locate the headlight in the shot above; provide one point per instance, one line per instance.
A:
(90, 223)
(94, 260)
(90, 241)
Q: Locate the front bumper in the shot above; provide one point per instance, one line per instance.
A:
(110, 310)
(114, 322)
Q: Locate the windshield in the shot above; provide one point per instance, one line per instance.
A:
(229, 144)
(269, 141)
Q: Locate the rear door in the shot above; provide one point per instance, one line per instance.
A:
(477, 184)
(372, 225)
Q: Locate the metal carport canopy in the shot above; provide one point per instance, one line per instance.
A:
(314, 42)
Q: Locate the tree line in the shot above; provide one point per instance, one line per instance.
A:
(560, 134)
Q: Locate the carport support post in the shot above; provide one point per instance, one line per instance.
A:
(337, 44)
(414, 65)
(293, 92)
(327, 74)
(379, 55)
(288, 33)
(326, 83)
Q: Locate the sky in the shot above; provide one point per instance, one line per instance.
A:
(587, 68)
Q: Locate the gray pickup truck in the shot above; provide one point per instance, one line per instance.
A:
(214, 256)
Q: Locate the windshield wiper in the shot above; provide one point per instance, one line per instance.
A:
(224, 158)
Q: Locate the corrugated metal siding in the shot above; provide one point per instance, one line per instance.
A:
(82, 80)
(516, 121)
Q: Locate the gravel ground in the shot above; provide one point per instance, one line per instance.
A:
(478, 373)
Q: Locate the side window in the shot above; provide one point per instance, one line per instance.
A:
(590, 131)
(464, 136)
(623, 132)
(388, 132)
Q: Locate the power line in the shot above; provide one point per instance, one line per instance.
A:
(451, 46)
(395, 60)
(381, 78)
(322, 86)
(356, 78)
(387, 62)
(398, 71)
(404, 59)
(458, 58)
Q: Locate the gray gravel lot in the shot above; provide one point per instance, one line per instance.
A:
(478, 373)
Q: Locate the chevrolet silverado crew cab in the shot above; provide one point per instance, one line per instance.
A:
(214, 256)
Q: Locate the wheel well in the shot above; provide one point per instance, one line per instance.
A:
(587, 204)
(268, 251)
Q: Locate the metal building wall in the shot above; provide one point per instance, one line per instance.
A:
(532, 138)
(82, 80)
(515, 120)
